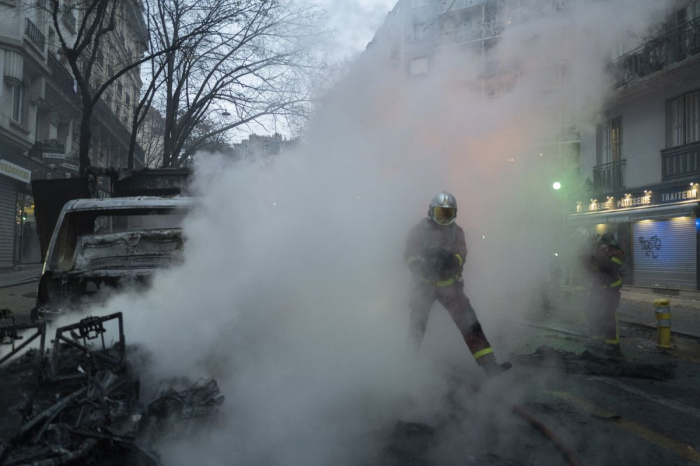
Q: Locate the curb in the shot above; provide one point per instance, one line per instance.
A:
(20, 282)
(690, 336)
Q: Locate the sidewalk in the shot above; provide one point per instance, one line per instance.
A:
(13, 277)
(684, 319)
(636, 306)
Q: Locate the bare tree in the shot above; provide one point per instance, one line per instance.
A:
(150, 138)
(95, 24)
(251, 60)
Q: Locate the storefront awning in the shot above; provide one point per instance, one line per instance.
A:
(632, 215)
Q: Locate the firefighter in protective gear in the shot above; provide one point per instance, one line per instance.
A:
(435, 254)
(608, 261)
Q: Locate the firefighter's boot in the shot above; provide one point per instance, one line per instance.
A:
(492, 368)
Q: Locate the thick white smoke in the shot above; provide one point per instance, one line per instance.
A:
(293, 291)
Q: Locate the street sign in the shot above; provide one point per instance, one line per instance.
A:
(53, 150)
(70, 166)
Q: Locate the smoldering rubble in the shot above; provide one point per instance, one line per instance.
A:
(80, 400)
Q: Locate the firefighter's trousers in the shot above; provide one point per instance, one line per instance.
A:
(453, 299)
(602, 315)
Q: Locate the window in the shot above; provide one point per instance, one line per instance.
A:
(417, 3)
(685, 119)
(120, 88)
(16, 90)
(609, 142)
(420, 31)
(419, 65)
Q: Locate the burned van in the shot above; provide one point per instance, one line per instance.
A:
(106, 244)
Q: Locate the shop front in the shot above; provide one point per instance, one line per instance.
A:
(14, 183)
(657, 229)
(19, 239)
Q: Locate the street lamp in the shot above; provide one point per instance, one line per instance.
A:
(556, 185)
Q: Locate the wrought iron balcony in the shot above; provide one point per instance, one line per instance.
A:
(34, 34)
(680, 162)
(658, 53)
(119, 130)
(609, 176)
(452, 5)
(471, 34)
(61, 77)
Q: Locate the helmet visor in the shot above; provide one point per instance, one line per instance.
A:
(444, 215)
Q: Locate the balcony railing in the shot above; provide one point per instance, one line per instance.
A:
(34, 34)
(658, 53)
(61, 77)
(121, 133)
(452, 5)
(609, 176)
(680, 162)
(471, 34)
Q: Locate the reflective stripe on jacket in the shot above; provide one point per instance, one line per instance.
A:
(609, 260)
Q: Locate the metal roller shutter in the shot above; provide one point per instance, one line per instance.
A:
(8, 200)
(665, 253)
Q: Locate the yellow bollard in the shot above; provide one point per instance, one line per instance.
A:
(663, 322)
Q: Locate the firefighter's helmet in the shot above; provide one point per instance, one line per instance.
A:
(608, 238)
(443, 208)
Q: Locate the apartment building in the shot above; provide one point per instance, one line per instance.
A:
(40, 110)
(643, 158)
(425, 33)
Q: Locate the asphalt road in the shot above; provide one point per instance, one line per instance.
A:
(604, 420)
(19, 299)
(618, 420)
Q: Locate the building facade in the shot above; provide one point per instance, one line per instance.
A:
(642, 159)
(637, 161)
(425, 33)
(40, 111)
(262, 148)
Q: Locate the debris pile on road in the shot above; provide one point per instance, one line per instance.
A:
(589, 363)
(80, 401)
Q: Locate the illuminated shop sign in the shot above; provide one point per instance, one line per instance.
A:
(633, 201)
(679, 196)
(15, 171)
(645, 198)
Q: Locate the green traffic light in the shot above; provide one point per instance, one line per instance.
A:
(556, 185)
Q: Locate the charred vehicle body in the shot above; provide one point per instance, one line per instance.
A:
(93, 245)
(100, 243)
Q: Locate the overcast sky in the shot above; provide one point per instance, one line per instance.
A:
(354, 22)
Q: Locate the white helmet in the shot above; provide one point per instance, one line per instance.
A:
(443, 209)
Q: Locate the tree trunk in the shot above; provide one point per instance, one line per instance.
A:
(85, 138)
(170, 117)
(132, 142)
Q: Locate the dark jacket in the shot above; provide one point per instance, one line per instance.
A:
(609, 260)
(443, 245)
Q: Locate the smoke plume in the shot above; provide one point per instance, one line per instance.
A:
(293, 291)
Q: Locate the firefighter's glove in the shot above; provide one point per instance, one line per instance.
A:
(442, 260)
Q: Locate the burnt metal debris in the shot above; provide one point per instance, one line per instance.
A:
(592, 364)
(79, 402)
(9, 333)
